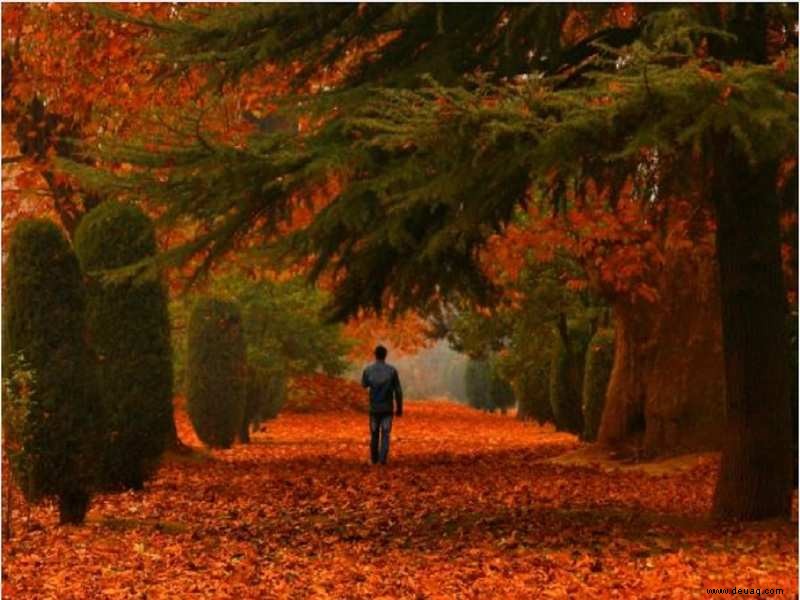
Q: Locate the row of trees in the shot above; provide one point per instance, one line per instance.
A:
(240, 342)
(96, 407)
(243, 345)
(560, 375)
(485, 388)
(88, 356)
(655, 145)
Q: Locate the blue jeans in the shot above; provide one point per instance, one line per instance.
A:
(380, 428)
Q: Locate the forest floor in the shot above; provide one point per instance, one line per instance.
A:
(470, 506)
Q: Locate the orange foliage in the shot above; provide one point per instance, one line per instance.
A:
(469, 507)
(617, 250)
(621, 252)
(406, 334)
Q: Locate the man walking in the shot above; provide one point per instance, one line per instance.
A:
(384, 385)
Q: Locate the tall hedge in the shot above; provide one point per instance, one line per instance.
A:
(566, 379)
(216, 371)
(599, 361)
(533, 393)
(129, 328)
(43, 327)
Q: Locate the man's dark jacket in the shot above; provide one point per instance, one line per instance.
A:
(384, 384)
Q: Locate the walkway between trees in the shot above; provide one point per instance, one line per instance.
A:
(469, 507)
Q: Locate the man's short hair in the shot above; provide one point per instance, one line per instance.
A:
(381, 352)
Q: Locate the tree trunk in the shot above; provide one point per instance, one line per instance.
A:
(685, 405)
(623, 422)
(667, 390)
(73, 503)
(756, 479)
(244, 431)
(173, 442)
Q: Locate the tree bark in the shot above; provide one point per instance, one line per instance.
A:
(755, 479)
(622, 423)
(666, 393)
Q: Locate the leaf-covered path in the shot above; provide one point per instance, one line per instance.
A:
(468, 508)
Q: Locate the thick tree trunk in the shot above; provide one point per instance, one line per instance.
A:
(685, 405)
(623, 422)
(756, 476)
(666, 391)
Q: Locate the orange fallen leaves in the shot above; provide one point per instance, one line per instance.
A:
(323, 393)
(469, 507)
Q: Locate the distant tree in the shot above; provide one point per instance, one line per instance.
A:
(216, 371)
(599, 361)
(285, 335)
(501, 394)
(521, 332)
(266, 394)
(477, 384)
(485, 388)
(43, 330)
(129, 327)
(566, 375)
(532, 390)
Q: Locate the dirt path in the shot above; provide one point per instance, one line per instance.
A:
(468, 508)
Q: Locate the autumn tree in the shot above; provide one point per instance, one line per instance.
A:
(129, 328)
(59, 91)
(43, 331)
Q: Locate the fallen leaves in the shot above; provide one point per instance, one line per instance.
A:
(321, 393)
(470, 506)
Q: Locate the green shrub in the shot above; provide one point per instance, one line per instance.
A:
(533, 393)
(274, 399)
(265, 397)
(501, 394)
(216, 372)
(486, 389)
(128, 325)
(43, 330)
(566, 380)
(599, 361)
(477, 384)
